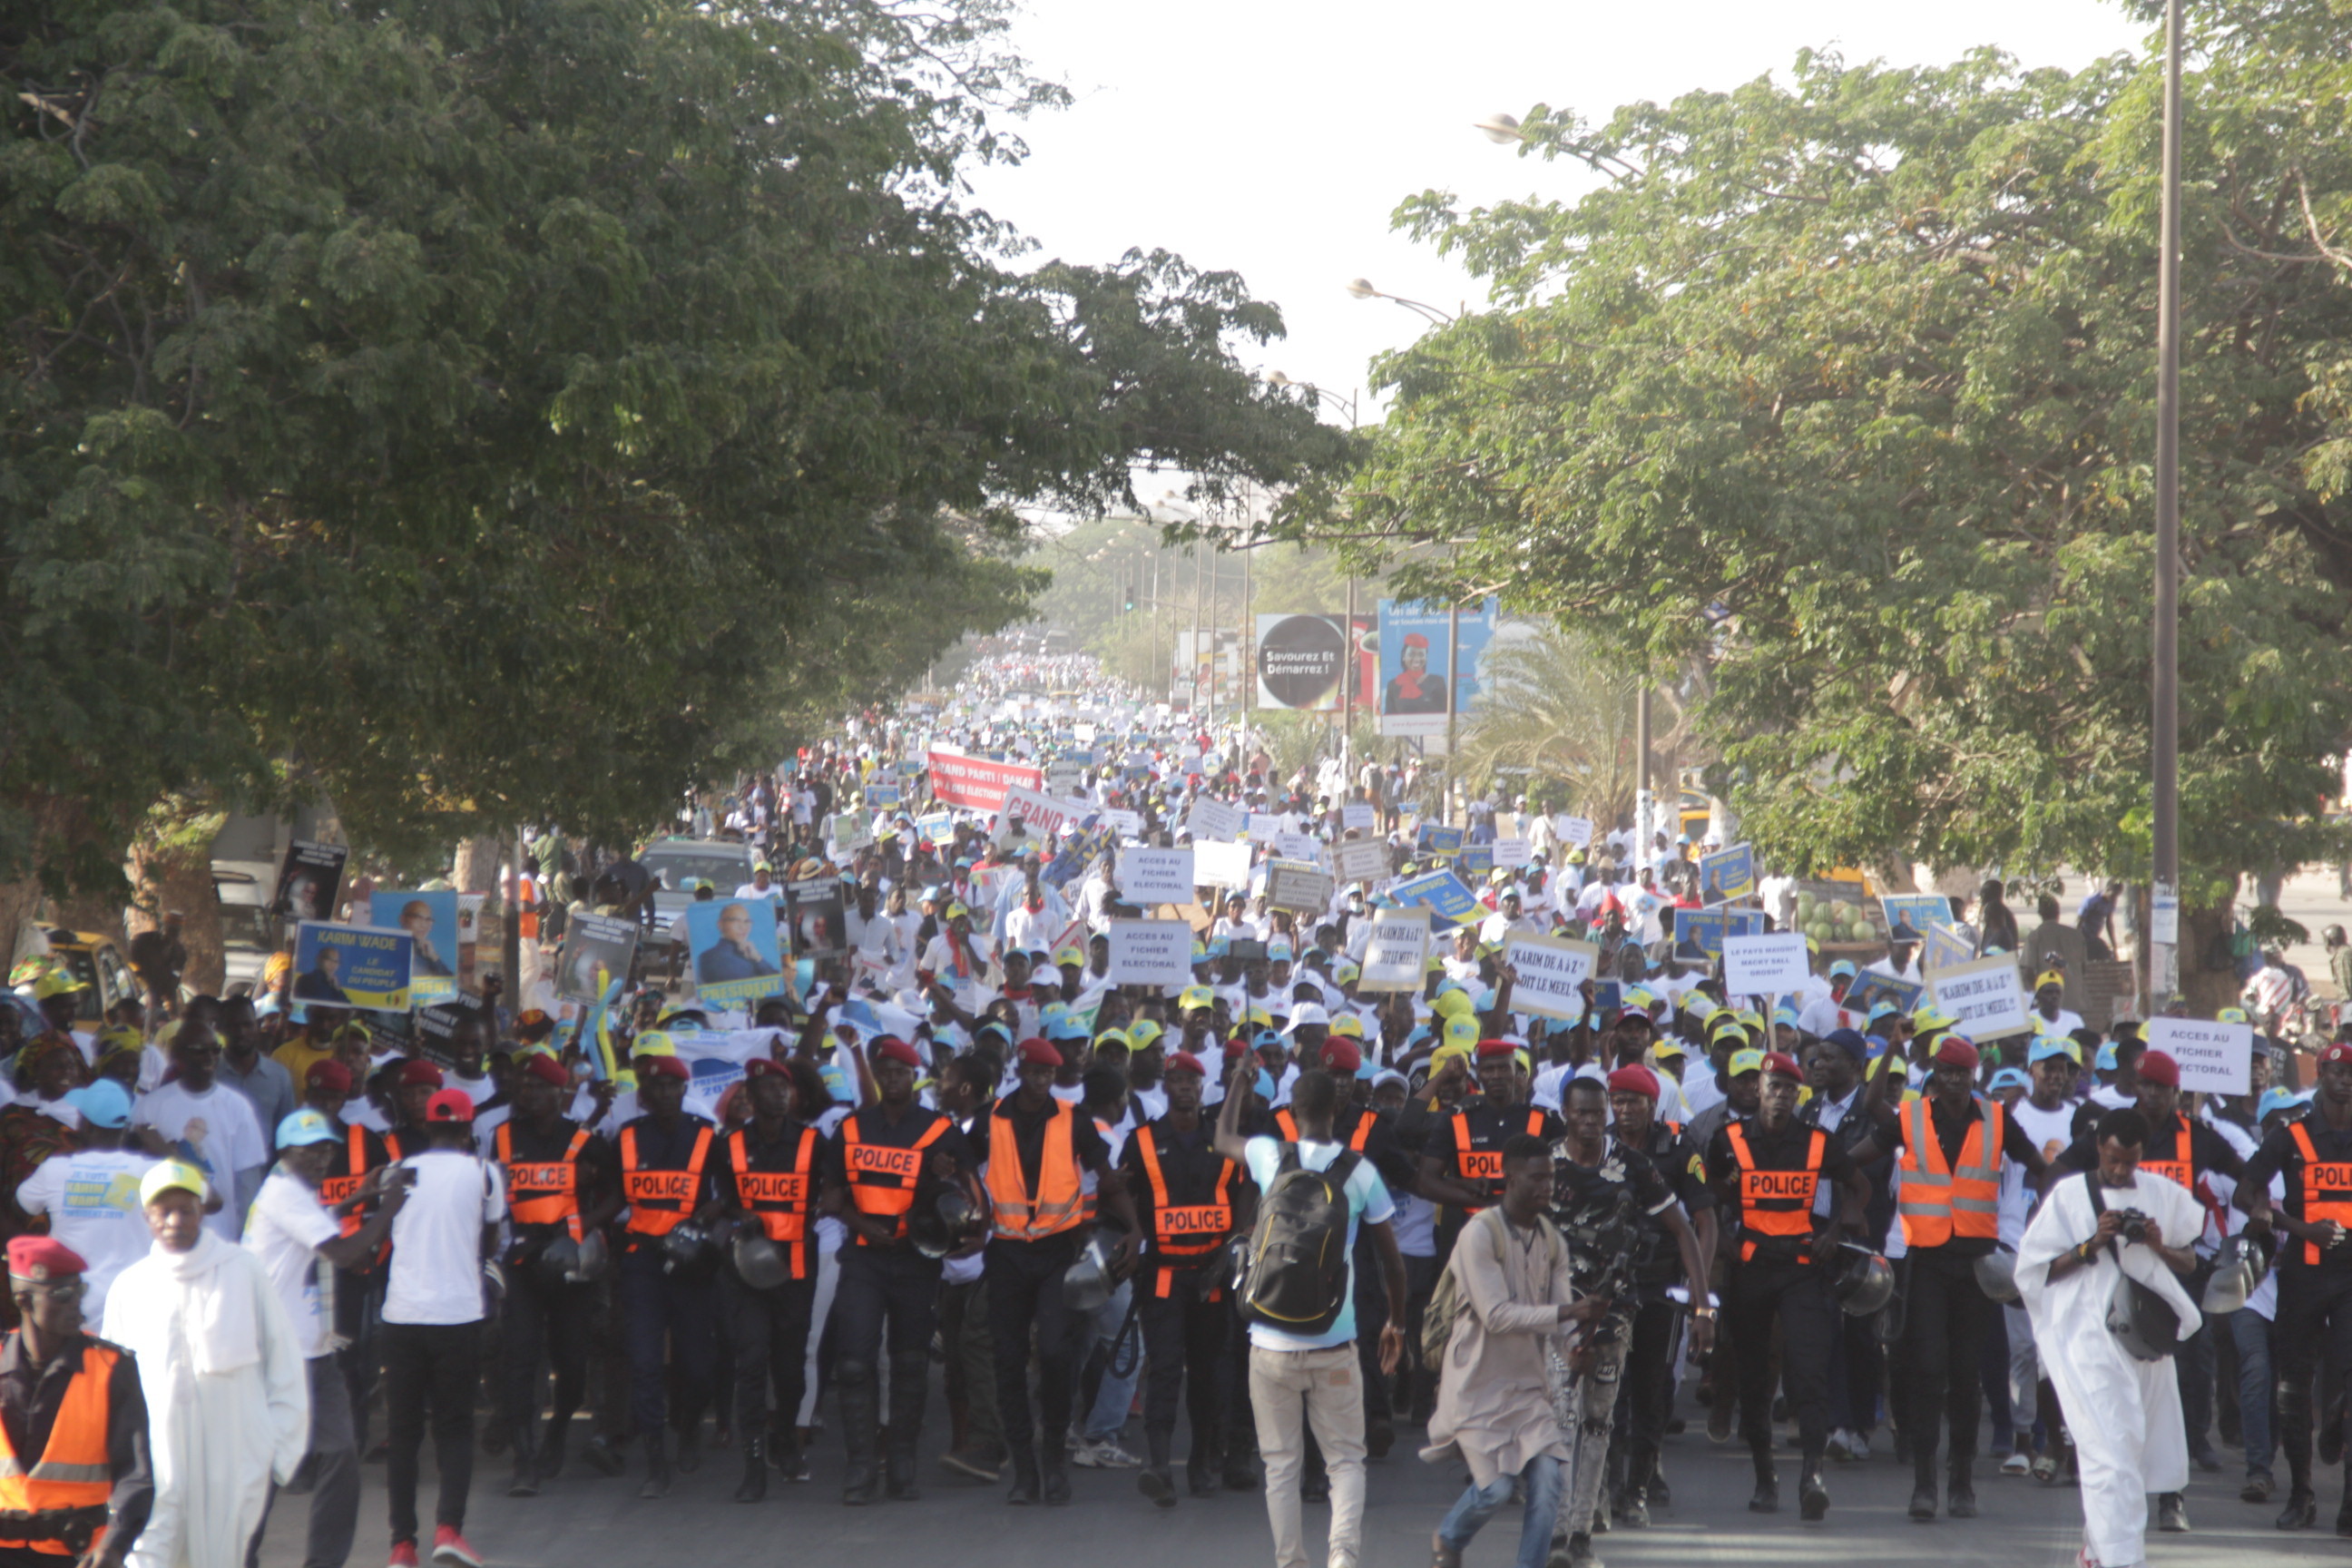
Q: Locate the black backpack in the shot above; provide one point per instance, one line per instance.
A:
(1296, 1275)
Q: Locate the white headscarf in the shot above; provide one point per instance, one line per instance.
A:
(217, 1315)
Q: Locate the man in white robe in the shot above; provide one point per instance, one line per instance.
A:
(228, 1402)
(2123, 1413)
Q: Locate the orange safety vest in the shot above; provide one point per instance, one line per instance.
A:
(1187, 1232)
(1938, 1204)
(333, 1190)
(1058, 1205)
(73, 1475)
(1356, 1139)
(1485, 1164)
(1776, 1202)
(660, 1201)
(2184, 1168)
(882, 1176)
(544, 1192)
(2326, 1187)
(778, 1199)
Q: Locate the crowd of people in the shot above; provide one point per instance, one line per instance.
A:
(1275, 1211)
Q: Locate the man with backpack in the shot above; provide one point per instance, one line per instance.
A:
(1298, 1297)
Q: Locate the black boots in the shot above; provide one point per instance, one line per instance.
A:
(1961, 1489)
(1025, 1474)
(1157, 1480)
(1057, 1470)
(526, 1459)
(551, 1447)
(860, 1424)
(1766, 1497)
(908, 1372)
(754, 1486)
(1812, 1497)
(657, 1465)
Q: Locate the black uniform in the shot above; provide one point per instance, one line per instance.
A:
(1642, 1405)
(775, 1184)
(2314, 1294)
(543, 1318)
(1186, 1322)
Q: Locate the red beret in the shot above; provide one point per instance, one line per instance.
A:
(1235, 1049)
(329, 1075)
(1784, 1064)
(2340, 1051)
(1495, 1048)
(416, 1070)
(890, 1048)
(2158, 1067)
(1184, 1061)
(449, 1105)
(1636, 1079)
(43, 1258)
(1340, 1055)
(546, 1068)
(1953, 1051)
(1041, 1051)
(763, 1067)
(663, 1066)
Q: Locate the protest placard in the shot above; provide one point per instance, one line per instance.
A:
(882, 796)
(1917, 911)
(977, 783)
(1396, 958)
(937, 827)
(1042, 813)
(432, 922)
(733, 947)
(1869, 988)
(1359, 816)
(309, 880)
(2215, 1058)
(1474, 862)
(1299, 886)
(1551, 973)
(1300, 847)
(1440, 890)
(1359, 859)
(1574, 831)
(1726, 874)
(851, 832)
(1221, 865)
(1985, 995)
(1127, 825)
(596, 952)
(819, 917)
(1513, 853)
(1214, 821)
(352, 966)
(1768, 965)
(1150, 952)
(1264, 825)
(1432, 839)
(1148, 876)
(1064, 778)
(1944, 948)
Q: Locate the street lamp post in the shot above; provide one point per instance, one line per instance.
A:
(2164, 901)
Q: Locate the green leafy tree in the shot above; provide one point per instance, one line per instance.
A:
(1841, 388)
(1556, 709)
(515, 411)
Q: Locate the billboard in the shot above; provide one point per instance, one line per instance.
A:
(1429, 663)
(1300, 661)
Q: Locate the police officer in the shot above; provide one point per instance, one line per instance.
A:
(562, 1185)
(1037, 1144)
(882, 1159)
(1833, 1065)
(2314, 1268)
(666, 1290)
(1767, 1169)
(1190, 1198)
(1952, 1146)
(770, 1180)
(1461, 1161)
(76, 1478)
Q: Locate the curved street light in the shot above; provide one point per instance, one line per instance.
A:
(1501, 128)
(1361, 288)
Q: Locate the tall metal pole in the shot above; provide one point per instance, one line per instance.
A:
(1159, 670)
(1643, 804)
(1248, 640)
(1452, 699)
(511, 965)
(2164, 950)
(1348, 693)
(1198, 578)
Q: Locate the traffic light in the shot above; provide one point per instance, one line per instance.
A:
(1130, 604)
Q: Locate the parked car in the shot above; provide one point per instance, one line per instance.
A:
(678, 864)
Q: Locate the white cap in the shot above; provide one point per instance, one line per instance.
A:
(1305, 1013)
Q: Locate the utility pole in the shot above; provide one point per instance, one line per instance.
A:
(2164, 901)
(1643, 804)
(1453, 701)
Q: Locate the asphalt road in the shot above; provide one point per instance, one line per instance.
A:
(582, 1519)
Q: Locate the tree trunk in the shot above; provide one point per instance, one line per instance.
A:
(2208, 975)
(182, 880)
(477, 866)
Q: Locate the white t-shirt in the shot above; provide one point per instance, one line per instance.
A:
(284, 1230)
(92, 1200)
(1367, 1199)
(2051, 1130)
(232, 1142)
(436, 1238)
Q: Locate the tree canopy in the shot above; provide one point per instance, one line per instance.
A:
(1842, 385)
(509, 411)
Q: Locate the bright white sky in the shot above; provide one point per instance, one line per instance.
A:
(1274, 137)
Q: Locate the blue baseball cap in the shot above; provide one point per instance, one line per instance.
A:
(105, 1103)
(1843, 966)
(304, 1126)
(2276, 1100)
(2105, 1060)
(2007, 1077)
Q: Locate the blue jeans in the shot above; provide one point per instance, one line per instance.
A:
(1478, 1504)
(2251, 1332)
(1108, 1417)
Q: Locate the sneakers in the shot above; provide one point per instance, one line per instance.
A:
(1839, 1442)
(404, 1554)
(1857, 1446)
(2017, 1465)
(448, 1546)
(1104, 1454)
(2171, 1514)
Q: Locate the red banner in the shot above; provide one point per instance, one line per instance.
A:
(975, 783)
